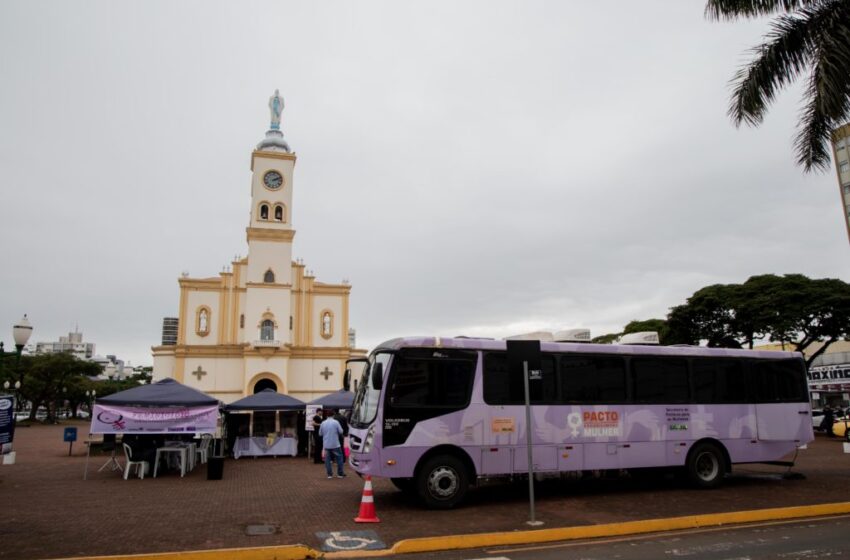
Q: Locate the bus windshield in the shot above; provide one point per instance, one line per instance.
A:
(365, 405)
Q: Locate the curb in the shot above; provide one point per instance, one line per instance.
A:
(487, 540)
(285, 552)
(612, 529)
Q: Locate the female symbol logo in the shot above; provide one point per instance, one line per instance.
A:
(116, 420)
(574, 422)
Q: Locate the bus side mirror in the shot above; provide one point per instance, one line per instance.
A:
(346, 380)
(378, 376)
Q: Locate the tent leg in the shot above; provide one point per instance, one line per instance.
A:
(88, 454)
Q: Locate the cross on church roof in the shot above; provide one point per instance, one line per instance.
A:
(326, 373)
(199, 372)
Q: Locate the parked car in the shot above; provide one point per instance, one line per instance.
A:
(817, 418)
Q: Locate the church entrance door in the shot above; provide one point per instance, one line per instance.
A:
(265, 384)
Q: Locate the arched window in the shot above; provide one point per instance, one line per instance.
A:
(268, 277)
(242, 321)
(278, 213)
(264, 212)
(267, 330)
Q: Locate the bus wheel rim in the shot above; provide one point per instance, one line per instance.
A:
(443, 482)
(707, 466)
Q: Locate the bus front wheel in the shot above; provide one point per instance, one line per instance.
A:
(706, 466)
(442, 482)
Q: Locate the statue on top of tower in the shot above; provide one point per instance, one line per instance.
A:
(276, 107)
(274, 142)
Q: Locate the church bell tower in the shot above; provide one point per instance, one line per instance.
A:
(269, 323)
(270, 236)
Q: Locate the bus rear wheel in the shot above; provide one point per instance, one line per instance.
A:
(442, 482)
(706, 466)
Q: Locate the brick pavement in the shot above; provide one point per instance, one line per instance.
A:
(48, 511)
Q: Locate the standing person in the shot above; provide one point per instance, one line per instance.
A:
(828, 420)
(317, 440)
(331, 431)
(344, 425)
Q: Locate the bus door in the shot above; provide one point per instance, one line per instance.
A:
(783, 422)
(783, 412)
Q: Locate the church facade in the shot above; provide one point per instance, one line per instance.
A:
(265, 321)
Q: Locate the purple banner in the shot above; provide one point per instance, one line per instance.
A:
(153, 420)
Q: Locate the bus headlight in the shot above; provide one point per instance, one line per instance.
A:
(367, 444)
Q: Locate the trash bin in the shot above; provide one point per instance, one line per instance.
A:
(215, 468)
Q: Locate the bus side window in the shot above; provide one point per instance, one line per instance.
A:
(780, 380)
(719, 381)
(660, 380)
(502, 387)
(431, 383)
(592, 379)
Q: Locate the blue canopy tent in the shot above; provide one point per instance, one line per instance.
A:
(166, 392)
(267, 399)
(341, 399)
(164, 407)
(274, 415)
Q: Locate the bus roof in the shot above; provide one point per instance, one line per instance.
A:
(583, 347)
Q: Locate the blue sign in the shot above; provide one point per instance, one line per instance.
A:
(7, 423)
(70, 434)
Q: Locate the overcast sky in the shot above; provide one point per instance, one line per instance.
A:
(480, 168)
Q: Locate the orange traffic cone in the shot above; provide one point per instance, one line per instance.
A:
(367, 505)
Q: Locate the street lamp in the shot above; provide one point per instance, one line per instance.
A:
(90, 397)
(16, 387)
(21, 333)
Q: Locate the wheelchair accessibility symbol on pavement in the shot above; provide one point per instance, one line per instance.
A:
(350, 540)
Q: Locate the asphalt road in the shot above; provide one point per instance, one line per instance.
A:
(792, 540)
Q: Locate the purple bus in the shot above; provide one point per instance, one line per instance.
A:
(436, 414)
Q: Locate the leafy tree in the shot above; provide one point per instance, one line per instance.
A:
(708, 315)
(802, 311)
(807, 36)
(44, 376)
(790, 308)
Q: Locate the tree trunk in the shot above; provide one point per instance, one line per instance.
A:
(819, 352)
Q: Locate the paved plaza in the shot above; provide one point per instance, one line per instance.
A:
(49, 511)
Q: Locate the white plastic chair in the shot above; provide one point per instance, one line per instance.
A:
(141, 466)
(203, 450)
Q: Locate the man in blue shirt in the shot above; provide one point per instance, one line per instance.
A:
(331, 432)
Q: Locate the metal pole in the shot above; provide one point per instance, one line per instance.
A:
(88, 454)
(528, 431)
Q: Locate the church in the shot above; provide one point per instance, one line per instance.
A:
(265, 321)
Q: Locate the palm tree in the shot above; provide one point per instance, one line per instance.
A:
(808, 36)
